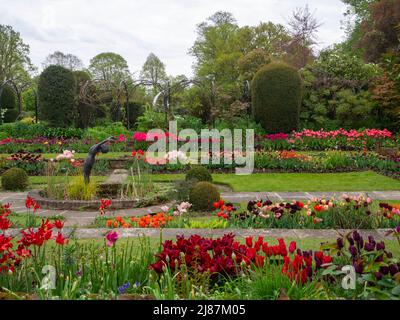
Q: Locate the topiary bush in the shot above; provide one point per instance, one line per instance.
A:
(9, 102)
(276, 97)
(203, 195)
(198, 173)
(56, 91)
(14, 179)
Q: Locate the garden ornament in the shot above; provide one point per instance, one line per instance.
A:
(93, 151)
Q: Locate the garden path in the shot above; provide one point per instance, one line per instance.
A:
(169, 233)
(86, 218)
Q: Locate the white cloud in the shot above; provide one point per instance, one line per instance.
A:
(134, 28)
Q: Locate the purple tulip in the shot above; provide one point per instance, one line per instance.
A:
(358, 266)
(398, 229)
(378, 275)
(393, 269)
(356, 236)
(369, 246)
(371, 240)
(309, 271)
(384, 270)
(380, 246)
(353, 251)
(339, 243)
(361, 242)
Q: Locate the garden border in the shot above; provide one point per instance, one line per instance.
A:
(46, 203)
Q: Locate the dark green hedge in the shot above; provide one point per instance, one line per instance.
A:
(9, 102)
(276, 97)
(56, 92)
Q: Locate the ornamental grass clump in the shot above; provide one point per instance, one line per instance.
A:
(15, 179)
(78, 189)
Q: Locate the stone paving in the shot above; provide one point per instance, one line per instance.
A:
(86, 218)
(168, 233)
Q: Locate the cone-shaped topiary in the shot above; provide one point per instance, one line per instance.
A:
(276, 97)
(14, 179)
(203, 195)
(198, 173)
(9, 102)
(56, 92)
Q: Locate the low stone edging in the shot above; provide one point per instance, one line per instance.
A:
(46, 203)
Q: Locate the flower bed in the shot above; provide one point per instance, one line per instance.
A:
(192, 268)
(345, 213)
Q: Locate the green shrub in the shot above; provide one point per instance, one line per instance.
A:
(56, 92)
(23, 130)
(8, 98)
(9, 102)
(276, 97)
(11, 115)
(203, 195)
(15, 179)
(198, 173)
(151, 119)
(103, 132)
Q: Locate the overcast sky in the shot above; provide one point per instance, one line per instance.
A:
(134, 28)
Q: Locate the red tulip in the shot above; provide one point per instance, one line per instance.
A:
(58, 224)
(60, 239)
(292, 247)
(249, 242)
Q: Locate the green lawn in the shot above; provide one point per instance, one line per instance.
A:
(324, 182)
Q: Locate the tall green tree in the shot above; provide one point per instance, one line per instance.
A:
(68, 61)
(14, 56)
(111, 68)
(153, 71)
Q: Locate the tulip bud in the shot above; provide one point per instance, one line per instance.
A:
(393, 269)
(384, 270)
(380, 246)
(378, 275)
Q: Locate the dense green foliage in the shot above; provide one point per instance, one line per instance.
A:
(336, 92)
(9, 103)
(56, 92)
(203, 195)
(198, 173)
(353, 84)
(14, 179)
(276, 97)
